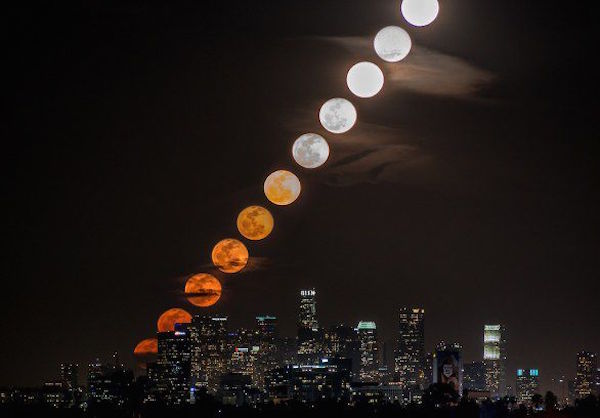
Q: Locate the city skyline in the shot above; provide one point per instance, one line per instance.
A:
(467, 186)
(212, 332)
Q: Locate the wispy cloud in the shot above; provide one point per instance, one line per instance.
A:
(368, 153)
(424, 70)
(371, 152)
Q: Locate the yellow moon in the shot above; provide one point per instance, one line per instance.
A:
(282, 187)
(230, 255)
(203, 290)
(255, 222)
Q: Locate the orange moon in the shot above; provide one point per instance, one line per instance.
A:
(255, 222)
(146, 347)
(230, 255)
(282, 187)
(145, 352)
(203, 290)
(170, 317)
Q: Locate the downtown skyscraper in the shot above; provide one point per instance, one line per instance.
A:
(410, 354)
(309, 335)
(527, 384)
(494, 357)
(368, 351)
(173, 366)
(209, 350)
(585, 374)
(307, 316)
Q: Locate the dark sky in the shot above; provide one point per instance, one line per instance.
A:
(469, 185)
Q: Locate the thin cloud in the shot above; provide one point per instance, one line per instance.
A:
(424, 70)
(369, 153)
(372, 153)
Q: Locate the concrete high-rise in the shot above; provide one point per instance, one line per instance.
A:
(474, 376)
(585, 374)
(448, 365)
(307, 317)
(494, 357)
(209, 350)
(173, 362)
(368, 370)
(527, 384)
(310, 344)
(266, 326)
(69, 375)
(410, 355)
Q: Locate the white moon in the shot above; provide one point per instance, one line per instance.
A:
(420, 12)
(337, 115)
(365, 79)
(392, 43)
(310, 150)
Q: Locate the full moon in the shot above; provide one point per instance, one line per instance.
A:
(310, 150)
(420, 12)
(203, 290)
(337, 115)
(166, 322)
(365, 79)
(282, 187)
(230, 255)
(255, 222)
(392, 43)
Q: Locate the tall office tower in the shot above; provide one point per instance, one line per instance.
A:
(69, 383)
(174, 364)
(410, 354)
(428, 369)
(585, 375)
(243, 361)
(266, 326)
(494, 356)
(251, 354)
(474, 376)
(69, 375)
(597, 382)
(329, 379)
(341, 341)
(268, 357)
(96, 372)
(307, 317)
(448, 365)
(209, 350)
(287, 350)
(527, 384)
(310, 344)
(117, 364)
(108, 382)
(368, 370)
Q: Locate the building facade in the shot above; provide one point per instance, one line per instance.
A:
(526, 385)
(474, 376)
(494, 357)
(307, 316)
(174, 366)
(410, 354)
(310, 337)
(585, 375)
(209, 351)
(448, 366)
(368, 351)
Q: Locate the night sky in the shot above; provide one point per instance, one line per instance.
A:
(139, 130)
